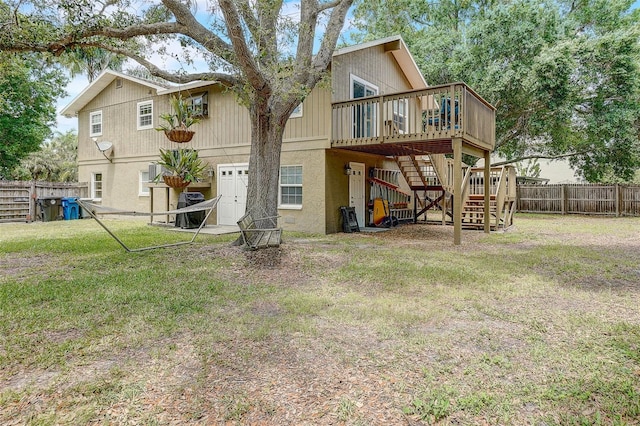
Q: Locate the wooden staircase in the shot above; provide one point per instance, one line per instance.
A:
(473, 210)
(430, 177)
(502, 198)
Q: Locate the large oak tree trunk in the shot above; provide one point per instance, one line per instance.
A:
(267, 128)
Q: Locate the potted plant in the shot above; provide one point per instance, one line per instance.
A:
(176, 124)
(180, 167)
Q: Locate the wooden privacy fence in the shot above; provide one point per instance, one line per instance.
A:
(611, 200)
(18, 199)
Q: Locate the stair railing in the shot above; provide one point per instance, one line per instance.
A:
(465, 185)
(501, 193)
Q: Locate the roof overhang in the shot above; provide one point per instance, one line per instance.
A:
(193, 86)
(398, 48)
(97, 86)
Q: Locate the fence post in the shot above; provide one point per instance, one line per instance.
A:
(33, 207)
(618, 198)
(563, 199)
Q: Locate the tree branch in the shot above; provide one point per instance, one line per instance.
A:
(246, 11)
(226, 79)
(194, 29)
(242, 52)
(538, 156)
(306, 35)
(267, 41)
(131, 31)
(336, 22)
(328, 5)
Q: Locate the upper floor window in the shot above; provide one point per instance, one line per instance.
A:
(290, 187)
(145, 115)
(96, 186)
(199, 104)
(95, 123)
(297, 112)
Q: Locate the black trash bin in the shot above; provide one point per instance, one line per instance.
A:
(50, 208)
(193, 219)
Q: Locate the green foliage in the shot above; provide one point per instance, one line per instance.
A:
(564, 75)
(182, 162)
(28, 92)
(56, 161)
(432, 405)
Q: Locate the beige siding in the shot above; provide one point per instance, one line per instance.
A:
(316, 117)
(337, 183)
(227, 125)
(121, 187)
(310, 218)
(373, 65)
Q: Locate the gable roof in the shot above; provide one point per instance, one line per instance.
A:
(398, 48)
(105, 78)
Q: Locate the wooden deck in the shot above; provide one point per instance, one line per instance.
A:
(450, 118)
(416, 122)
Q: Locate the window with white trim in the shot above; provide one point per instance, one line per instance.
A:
(143, 190)
(96, 186)
(95, 123)
(290, 187)
(199, 104)
(297, 112)
(145, 115)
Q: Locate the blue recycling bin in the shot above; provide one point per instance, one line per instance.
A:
(70, 208)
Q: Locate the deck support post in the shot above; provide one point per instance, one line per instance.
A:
(487, 192)
(457, 190)
(443, 203)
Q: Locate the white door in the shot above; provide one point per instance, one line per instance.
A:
(364, 116)
(356, 191)
(232, 184)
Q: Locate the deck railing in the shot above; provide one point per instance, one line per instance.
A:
(502, 187)
(502, 179)
(432, 114)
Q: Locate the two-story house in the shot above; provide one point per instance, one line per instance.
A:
(377, 114)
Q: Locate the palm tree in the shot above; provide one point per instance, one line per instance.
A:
(56, 161)
(91, 62)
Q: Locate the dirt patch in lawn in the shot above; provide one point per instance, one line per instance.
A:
(20, 266)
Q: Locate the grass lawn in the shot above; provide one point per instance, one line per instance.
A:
(539, 325)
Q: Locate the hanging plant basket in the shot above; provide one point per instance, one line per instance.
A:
(175, 182)
(179, 135)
